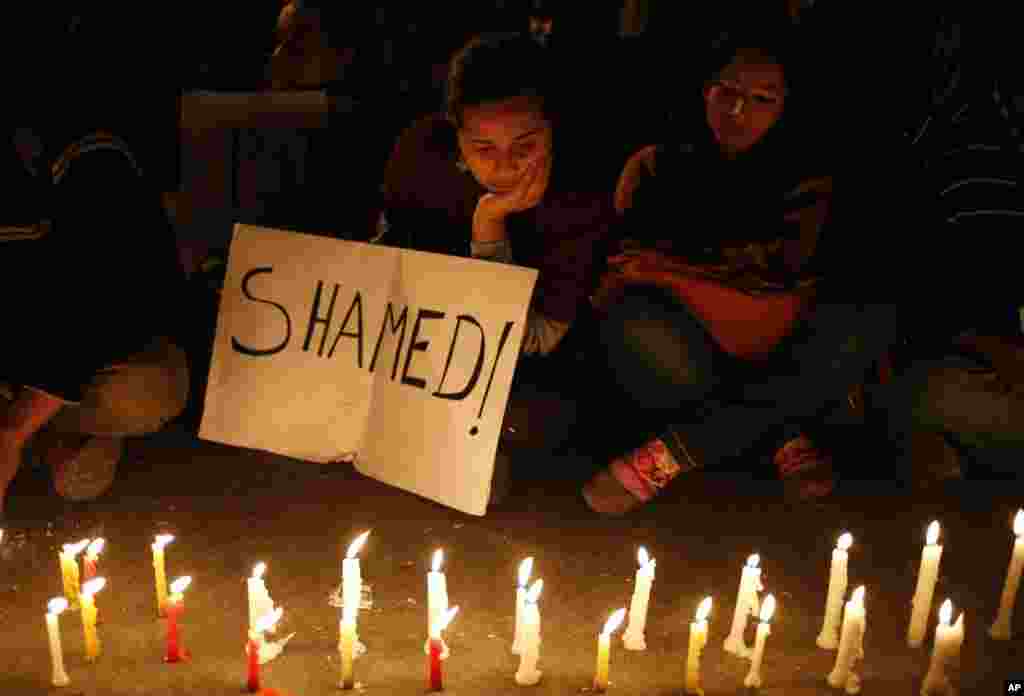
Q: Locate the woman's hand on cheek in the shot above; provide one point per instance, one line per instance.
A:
(528, 193)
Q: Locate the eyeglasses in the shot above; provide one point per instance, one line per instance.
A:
(732, 96)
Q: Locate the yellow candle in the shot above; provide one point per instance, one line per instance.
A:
(92, 640)
(160, 572)
(528, 674)
(926, 579)
(347, 650)
(54, 609)
(525, 568)
(753, 678)
(1000, 629)
(698, 639)
(837, 579)
(633, 638)
(69, 570)
(604, 641)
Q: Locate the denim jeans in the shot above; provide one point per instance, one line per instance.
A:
(709, 407)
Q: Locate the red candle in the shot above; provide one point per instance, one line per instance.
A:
(253, 648)
(89, 570)
(175, 608)
(435, 665)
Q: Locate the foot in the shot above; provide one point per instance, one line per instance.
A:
(805, 470)
(604, 494)
(83, 466)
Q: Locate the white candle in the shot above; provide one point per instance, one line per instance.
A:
(851, 645)
(604, 645)
(837, 579)
(55, 607)
(525, 568)
(633, 638)
(437, 599)
(1000, 629)
(753, 678)
(351, 577)
(264, 623)
(926, 578)
(945, 651)
(528, 674)
(698, 639)
(260, 602)
(747, 603)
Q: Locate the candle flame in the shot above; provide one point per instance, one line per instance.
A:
(1018, 523)
(258, 570)
(356, 545)
(525, 568)
(946, 613)
(753, 561)
(442, 623)
(703, 609)
(960, 621)
(642, 557)
(57, 605)
(845, 542)
(163, 540)
(858, 595)
(438, 559)
(95, 548)
(535, 589)
(75, 549)
(933, 533)
(768, 608)
(268, 621)
(614, 621)
(179, 585)
(93, 586)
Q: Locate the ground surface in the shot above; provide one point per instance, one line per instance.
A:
(231, 508)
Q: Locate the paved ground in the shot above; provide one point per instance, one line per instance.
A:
(231, 508)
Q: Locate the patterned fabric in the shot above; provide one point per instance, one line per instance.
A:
(647, 469)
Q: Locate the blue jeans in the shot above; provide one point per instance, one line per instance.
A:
(709, 407)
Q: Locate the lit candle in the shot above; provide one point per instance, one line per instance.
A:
(260, 601)
(175, 608)
(837, 579)
(436, 648)
(525, 568)
(926, 578)
(69, 570)
(55, 607)
(633, 638)
(160, 572)
(604, 642)
(437, 598)
(92, 640)
(698, 639)
(946, 650)
(851, 645)
(92, 555)
(1000, 630)
(747, 603)
(753, 678)
(254, 645)
(528, 674)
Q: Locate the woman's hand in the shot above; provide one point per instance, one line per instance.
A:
(493, 208)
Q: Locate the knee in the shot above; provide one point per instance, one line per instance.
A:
(145, 399)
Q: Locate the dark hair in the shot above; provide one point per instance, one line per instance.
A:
(494, 67)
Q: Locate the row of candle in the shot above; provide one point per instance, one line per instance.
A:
(847, 638)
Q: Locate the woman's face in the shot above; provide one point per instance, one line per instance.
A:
(744, 102)
(498, 140)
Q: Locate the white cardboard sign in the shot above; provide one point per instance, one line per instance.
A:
(327, 350)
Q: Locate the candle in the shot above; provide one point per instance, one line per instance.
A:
(604, 641)
(1000, 629)
(260, 601)
(347, 650)
(851, 645)
(54, 609)
(69, 570)
(698, 639)
(528, 674)
(92, 555)
(753, 678)
(746, 605)
(175, 608)
(264, 623)
(437, 598)
(436, 643)
(525, 568)
(945, 651)
(829, 636)
(926, 578)
(160, 572)
(87, 598)
(633, 638)
(352, 578)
